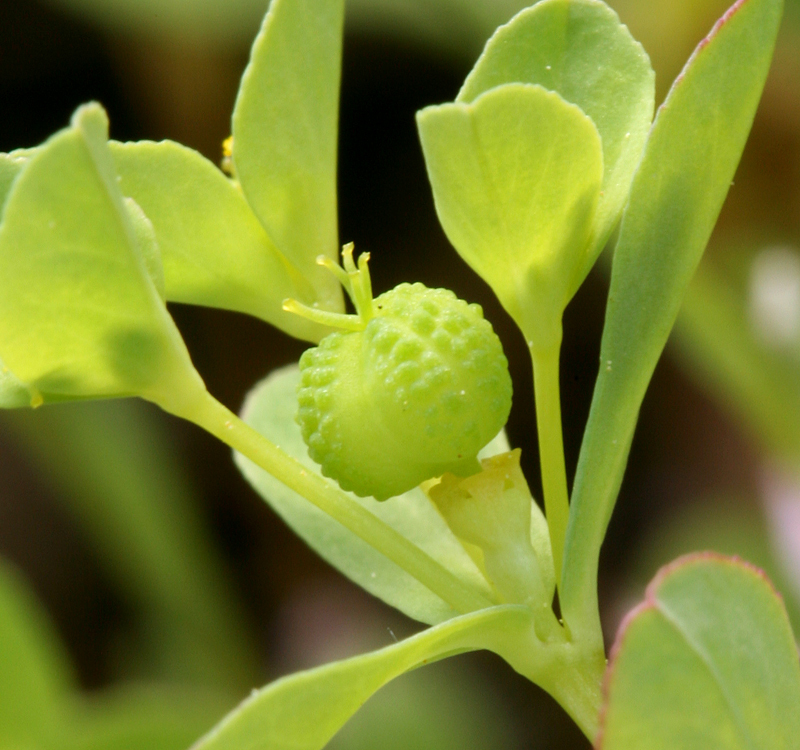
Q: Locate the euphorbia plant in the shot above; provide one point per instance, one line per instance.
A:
(547, 152)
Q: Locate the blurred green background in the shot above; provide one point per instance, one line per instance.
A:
(172, 587)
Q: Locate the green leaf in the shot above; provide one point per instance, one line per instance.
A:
(111, 463)
(285, 127)
(516, 177)
(79, 314)
(708, 660)
(35, 674)
(10, 167)
(677, 193)
(579, 49)
(138, 717)
(303, 711)
(13, 392)
(147, 244)
(730, 524)
(214, 250)
(270, 408)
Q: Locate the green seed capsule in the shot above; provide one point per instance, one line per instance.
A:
(416, 388)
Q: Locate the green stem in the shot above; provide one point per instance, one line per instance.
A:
(571, 672)
(212, 416)
(579, 689)
(551, 447)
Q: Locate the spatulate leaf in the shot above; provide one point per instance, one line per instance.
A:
(579, 49)
(35, 673)
(516, 177)
(80, 315)
(213, 248)
(708, 660)
(285, 126)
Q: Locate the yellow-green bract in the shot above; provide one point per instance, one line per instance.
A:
(417, 393)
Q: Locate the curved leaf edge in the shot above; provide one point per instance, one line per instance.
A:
(582, 603)
(474, 631)
(601, 234)
(650, 602)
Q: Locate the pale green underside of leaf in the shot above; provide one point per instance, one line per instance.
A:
(79, 314)
(516, 177)
(708, 660)
(285, 127)
(213, 248)
(303, 711)
(271, 409)
(677, 193)
(579, 49)
(35, 673)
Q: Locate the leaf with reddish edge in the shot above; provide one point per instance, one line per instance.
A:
(708, 660)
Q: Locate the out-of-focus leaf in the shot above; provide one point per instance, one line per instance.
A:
(112, 464)
(211, 23)
(758, 383)
(270, 409)
(139, 718)
(35, 674)
(579, 49)
(728, 525)
(678, 191)
(79, 315)
(213, 248)
(285, 127)
(455, 27)
(303, 711)
(446, 708)
(516, 177)
(458, 27)
(708, 660)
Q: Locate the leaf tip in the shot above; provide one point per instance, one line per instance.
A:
(91, 116)
(706, 40)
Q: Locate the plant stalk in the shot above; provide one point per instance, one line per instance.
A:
(569, 671)
(547, 393)
(212, 416)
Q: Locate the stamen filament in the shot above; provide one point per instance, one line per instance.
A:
(324, 317)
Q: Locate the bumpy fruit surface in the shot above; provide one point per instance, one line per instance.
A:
(418, 392)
